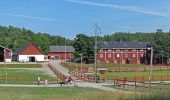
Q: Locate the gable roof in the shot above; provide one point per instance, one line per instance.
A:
(123, 45)
(23, 47)
(61, 48)
(5, 48)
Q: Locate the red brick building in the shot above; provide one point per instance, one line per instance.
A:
(29, 52)
(5, 54)
(61, 52)
(123, 52)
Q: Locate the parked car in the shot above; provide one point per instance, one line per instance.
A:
(68, 59)
(78, 60)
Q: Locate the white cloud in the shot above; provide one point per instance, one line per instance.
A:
(128, 8)
(28, 17)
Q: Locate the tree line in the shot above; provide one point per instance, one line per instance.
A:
(14, 37)
(159, 40)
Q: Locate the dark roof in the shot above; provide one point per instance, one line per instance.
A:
(122, 45)
(5, 48)
(61, 48)
(20, 49)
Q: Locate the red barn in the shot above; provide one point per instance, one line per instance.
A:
(123, 52)
(61, 52)
(5, 54)
(29, 53)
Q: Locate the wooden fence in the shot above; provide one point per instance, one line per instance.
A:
(141, 81)
(137, 69)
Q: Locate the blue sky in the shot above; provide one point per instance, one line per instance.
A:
(69, 17)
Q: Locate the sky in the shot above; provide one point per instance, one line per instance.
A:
(70, 17)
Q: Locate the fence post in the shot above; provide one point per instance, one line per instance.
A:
(114, 82)
(124, 83)
(143, 83)
(161, 78)
(135, 83)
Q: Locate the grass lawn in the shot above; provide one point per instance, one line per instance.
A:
(21, 65)
(63, 93)
(18, 76)
(129, 74)
(106, 65)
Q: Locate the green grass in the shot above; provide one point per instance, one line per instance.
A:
(16, 76)
(61, 93)
(21, 65)
(99, 64)
(129, 74)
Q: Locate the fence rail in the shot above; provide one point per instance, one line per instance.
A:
(141, 81)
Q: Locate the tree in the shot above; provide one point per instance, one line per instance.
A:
(84, 45)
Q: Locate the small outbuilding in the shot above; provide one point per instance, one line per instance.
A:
(6, 54)
(29, 52)
(61, 52)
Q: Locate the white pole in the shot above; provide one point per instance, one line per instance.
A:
(151, 67)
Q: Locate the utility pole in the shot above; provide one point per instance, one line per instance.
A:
(151, 67)
(5, 66)
(65, 50)
(96, 28)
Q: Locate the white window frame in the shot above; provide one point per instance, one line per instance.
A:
(109, 50)
(133, 49)
(101, 55)
(117, 55)
(109, 55)
(117, 49)
(126, 55)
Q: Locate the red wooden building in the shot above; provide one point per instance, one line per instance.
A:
(29, 53)
(5, 54)
(61, 52)
(123, 52)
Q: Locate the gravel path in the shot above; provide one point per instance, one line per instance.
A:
(65, 71)
(60, 68)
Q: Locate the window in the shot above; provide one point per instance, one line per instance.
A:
(134, 55)
(101, 50)
(109, 50)
(126, 55)
(141, 50)
(141, 55)
(117, 49)
(134, 50)
(118, 55)
(109, 55)
(125, 50)
(101, 55)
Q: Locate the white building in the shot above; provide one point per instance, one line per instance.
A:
(29, 53)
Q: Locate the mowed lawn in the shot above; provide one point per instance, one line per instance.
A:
(60, 93)
(21, 65)
(20, 76)
(133, 74)
(100, 64)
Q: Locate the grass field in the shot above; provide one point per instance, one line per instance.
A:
(21, 65)
(129, 74)
(18, 76)
(63, 93)
(99, 64)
